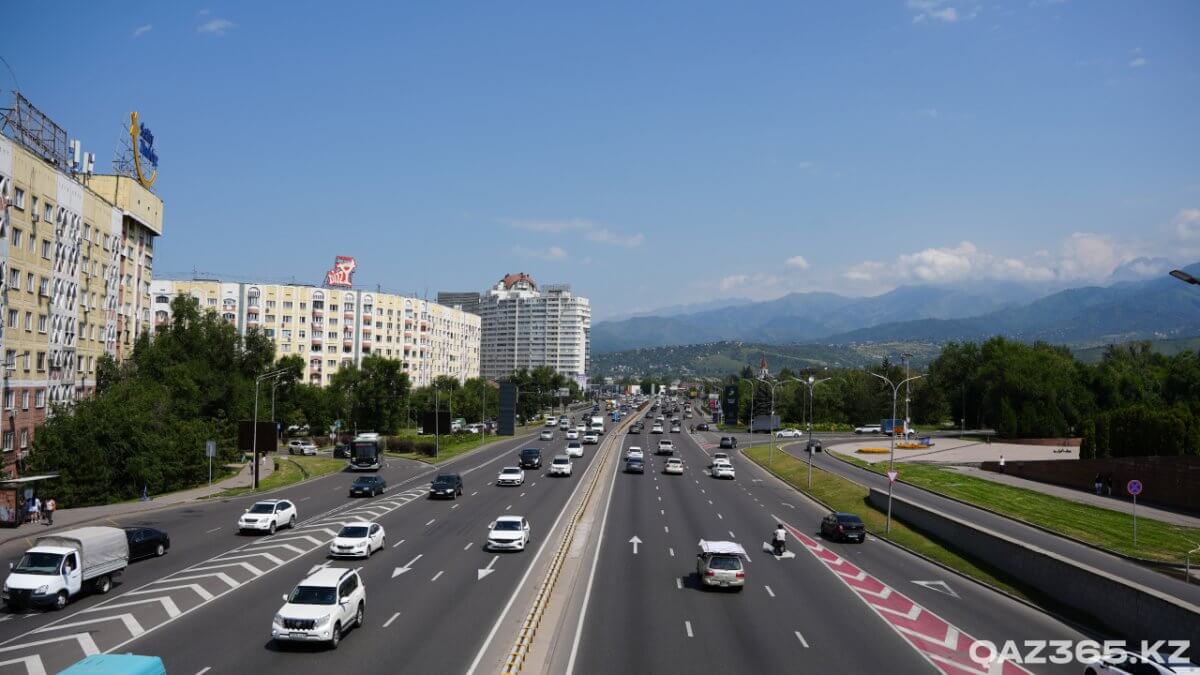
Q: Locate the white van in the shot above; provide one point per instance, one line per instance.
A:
(597, 425)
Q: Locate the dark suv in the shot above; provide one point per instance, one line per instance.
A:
(843, 526)
(368, 486)
(531, 458)
(446, 485)
(728, 442)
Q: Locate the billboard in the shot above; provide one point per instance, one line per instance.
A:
(729, 404)
(343, 270)
(506, 424)
(266, 436)
(431, 421)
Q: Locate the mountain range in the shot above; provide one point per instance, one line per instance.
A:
(1157, 308)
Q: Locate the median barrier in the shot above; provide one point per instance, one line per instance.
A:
(1126, 609)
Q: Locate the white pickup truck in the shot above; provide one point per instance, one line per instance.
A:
(58, 566)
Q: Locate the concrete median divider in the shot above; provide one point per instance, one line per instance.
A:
(1125, 609)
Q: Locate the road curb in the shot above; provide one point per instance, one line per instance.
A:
(1087, 630)
(1158, 565)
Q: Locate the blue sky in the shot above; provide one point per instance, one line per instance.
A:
(647, 153)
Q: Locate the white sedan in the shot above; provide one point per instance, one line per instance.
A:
(357, 539)
(511, 475)
(546, 435)
(789, 433)
(634, 452)
(574, 449)
(508, 533)
(591, 438)
(723, 470)
(572, 435)
(674, 465)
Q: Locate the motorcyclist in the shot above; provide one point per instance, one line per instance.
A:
(779, 538)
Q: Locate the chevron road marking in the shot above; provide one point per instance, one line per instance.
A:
(200, 590)
(168, 604)
(33, 664)
(131, 624)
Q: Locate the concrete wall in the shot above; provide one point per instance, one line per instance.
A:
(1126, 610)
(1172, 481)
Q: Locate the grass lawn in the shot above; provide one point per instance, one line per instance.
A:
(289, 470)
(1102, 527)
(845, 495)
(453, 446)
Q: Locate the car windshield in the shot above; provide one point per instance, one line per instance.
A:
(561, 460)
(313, 595)
(365, 480)
(725, 562)
(444, 479)
(353, 532)
(507, 525)
(38, 563)
(510, 471)
(262, 508)
(850, 520)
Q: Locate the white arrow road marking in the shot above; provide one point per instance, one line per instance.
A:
(487, 570)
(131, 624)
(939, 586)
(407, 566)
(635, 541)
(167, 603)
(200, 590)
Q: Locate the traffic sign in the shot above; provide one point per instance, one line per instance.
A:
(210, 449)
(1134, 487)
(892, 476)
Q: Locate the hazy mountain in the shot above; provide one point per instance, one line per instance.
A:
(1159, 308)
(798, 317)
(676, 310)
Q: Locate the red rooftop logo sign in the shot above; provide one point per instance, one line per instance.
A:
(343, 269)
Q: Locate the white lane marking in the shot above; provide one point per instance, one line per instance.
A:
(338, 489)
(655, 487)
(533, 484)
(801, 639)
(454, 507)
(662, 512)
(671, 551)
(435, 577)
(660, 499)
(520, 495)
(687, 625)
(731, 535)
(702, 491)
(203, 670)
(395, 545)
(508, 507)
(430, 522)
(468, 547)
(474, 493)
(212, 530)
(679, 583)
(721, 516)
(710, 502)
(769, 591)
(666, 529)
(489, 482)
(304, 499)
(390, 620)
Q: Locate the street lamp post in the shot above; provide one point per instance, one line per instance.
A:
(892, 455)
(254, 423)
(811, 382)
(905, 357)
(771, 427)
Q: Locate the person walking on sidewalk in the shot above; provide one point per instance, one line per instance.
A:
(1001, 463)
(51, 505)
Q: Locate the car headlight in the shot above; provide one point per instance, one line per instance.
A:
(323, 620)
(42, 589)
(278, 620)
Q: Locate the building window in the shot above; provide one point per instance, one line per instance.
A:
(25, 400)
(12, 318)
(24, 439)
(41, 361)
(46, 249)
(48, 212)
(212, 302)
(162, 299)
(29, 321)
(9, 397)
(14, 278)
(8, 441)
(287, 304)
(19, 202)
(39, 399)
(270, 332)
(270, 304)
(42, 322)
(28, 283)
(16, 237)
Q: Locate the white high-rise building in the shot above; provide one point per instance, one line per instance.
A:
(524, 327)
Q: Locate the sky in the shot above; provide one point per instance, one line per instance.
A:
(648, 154)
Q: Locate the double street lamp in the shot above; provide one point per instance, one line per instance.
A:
(811, 382)
(254, 424)
(892, 456)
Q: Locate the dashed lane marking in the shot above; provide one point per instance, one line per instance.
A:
(801, 638)
(390, 620)
(687, 625)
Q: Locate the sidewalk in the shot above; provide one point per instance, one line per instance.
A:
(1089, 498)
(68, 518)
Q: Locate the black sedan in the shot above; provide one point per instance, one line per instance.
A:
(341, 451)
(703, 426)
(368, 486)
(446, 485)
(146, 542)
(843, 527)
(633, 465)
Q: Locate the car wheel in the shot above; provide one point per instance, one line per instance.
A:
(292, 523)
(103, 585)
(60, 600)
(360, 616)
(271, 530)
(160, 550)
(336, 637)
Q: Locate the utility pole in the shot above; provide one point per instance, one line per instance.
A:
(907, 424)
(892, 456)
(254, 423)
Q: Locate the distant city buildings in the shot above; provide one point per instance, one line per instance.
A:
(76, 256)
(335, 326)
(466, 301)
(527, 327)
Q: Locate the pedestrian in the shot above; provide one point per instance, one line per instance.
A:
(1108, 485)
(1098, 484)
(37, 509)
(51, 506)
(1001, 463)
(29, 510)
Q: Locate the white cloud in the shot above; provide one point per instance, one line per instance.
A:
(797, 261)
(1137, 60)
(942, 11)
(551, 253)
(592, 231)
(1083, 256)
(604, 236)
(1187, 224)
(216, 27)
(142, 30)
(733, 281)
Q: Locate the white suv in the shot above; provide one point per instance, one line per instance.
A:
(301, 448)
(268, 516)
(322, 607)
(560, 466)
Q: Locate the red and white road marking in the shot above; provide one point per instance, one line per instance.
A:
(945, 647)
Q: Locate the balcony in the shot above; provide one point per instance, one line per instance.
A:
(347, 342)
(366, 328)
(348, 314)
(318, 313)
(316, 340)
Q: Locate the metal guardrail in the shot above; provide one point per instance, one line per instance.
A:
(515, 662)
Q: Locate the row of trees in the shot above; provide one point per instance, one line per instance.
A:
(147, 424)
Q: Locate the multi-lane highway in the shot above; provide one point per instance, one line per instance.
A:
(833, 607)
(435, 597)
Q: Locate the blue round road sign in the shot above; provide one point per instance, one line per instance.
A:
(1134, 487)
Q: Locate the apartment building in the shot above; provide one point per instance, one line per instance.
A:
(76, 259)
(527, 327)
(334, 327)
